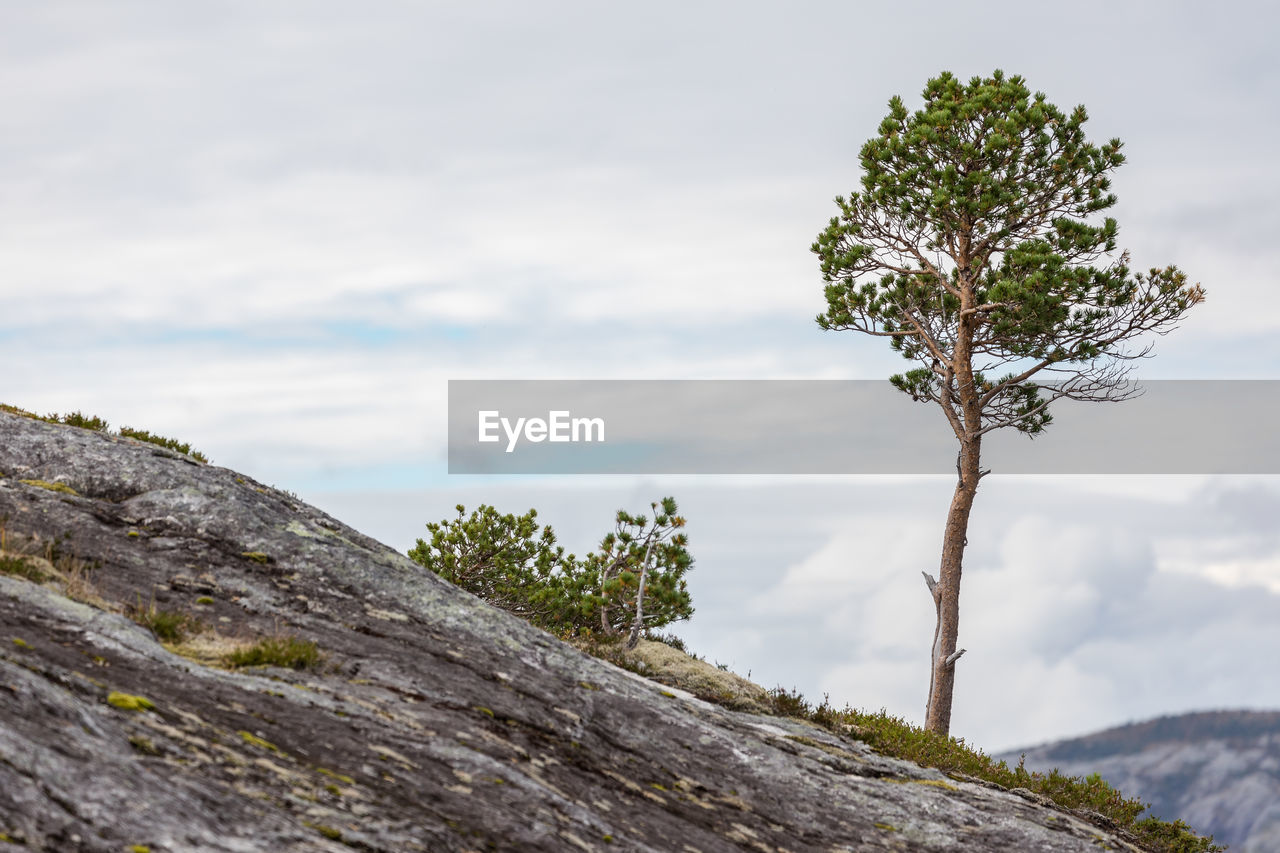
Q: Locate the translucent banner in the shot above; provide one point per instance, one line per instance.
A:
(845, 427)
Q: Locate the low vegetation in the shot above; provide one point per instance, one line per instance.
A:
(894, 736)
(169, 626)
(97, 424)
(634, 583)
(43, 561)
(171, 443)
(288, 652)
(53, 487)
(22, 567)
(129, 702)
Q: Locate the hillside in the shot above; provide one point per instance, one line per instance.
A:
(1219, 771)
(317, 691)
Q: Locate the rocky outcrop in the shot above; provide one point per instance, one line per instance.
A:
(1217, 770)
(434, 722)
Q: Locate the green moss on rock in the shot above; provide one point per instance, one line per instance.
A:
(128, 702)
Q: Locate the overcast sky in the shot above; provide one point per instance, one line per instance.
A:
(276, 230)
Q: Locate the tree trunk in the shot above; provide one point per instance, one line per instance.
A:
(605, 627)
(634, 638)
(644, 572)
(946, 591)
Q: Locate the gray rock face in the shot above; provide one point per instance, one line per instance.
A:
(435, 723)
(1219, 771)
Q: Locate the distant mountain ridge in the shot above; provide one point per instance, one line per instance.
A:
(1217, 770)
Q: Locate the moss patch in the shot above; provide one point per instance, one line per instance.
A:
(53, 487)
(825, 747)
(667, 664)
(935, 783)
(327, 831)
(143, 745)
(250, 737)
(128, 702)
(339, 776)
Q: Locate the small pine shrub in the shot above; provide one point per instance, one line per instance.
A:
(512, 563)
(76, 419)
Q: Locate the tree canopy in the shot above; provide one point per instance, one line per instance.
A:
(975, 237)
(635, 581)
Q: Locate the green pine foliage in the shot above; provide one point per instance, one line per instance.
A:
(975, 237)
(639, 571)
(506, 560)
(512, 563)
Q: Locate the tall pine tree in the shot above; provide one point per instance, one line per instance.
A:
(975, 247)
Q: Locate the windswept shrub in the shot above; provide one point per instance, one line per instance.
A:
(634, 582)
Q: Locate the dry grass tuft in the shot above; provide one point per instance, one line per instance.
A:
(46, 562)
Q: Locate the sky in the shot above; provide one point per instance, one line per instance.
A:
(276, 230)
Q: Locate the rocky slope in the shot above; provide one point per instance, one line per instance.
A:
(1219, 771)
(434, 722)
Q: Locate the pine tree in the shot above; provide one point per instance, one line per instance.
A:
(639, 572)
(504, 560)
(974, 246)
(635, 582)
